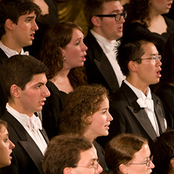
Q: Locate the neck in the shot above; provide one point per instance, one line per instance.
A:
(8, 42)
(141, 86)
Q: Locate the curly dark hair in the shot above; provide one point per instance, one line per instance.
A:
(138, 10)
(79, 105)
(55, 38)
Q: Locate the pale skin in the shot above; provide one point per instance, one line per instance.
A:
(88, 158)
(6, 147)
(32, 98)
(21, 34)
(139, 157)
(107, 26)
(75, 53)
(147, 72)
(157, 8)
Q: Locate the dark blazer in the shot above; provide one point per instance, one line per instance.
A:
(3, 98)
(130, 118)
(98, 67)
(27, 157)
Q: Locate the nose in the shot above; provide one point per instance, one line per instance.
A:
(151, 165)
(35, 26)
(98, 170)
(84, 47)
(46, 92)
(158, 62)
(109, 117)
(11, 146)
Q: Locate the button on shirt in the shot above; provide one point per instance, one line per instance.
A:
(146, 102)
(9, 52)
(110, 49)
(35, 134)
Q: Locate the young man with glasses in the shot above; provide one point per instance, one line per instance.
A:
(71, 154)
(134, 108)
(105, 19)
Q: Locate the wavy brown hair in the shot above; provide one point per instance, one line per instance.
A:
(138, 10)
(79, 105)
(56, 37)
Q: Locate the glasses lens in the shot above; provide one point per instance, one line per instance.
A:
(118, 16)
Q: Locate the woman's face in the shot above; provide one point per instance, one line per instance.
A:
(136, 165)
(75, 52)
(6, 147)
(100, 121)
(160, 6)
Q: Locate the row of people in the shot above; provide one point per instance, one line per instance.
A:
(125, 153)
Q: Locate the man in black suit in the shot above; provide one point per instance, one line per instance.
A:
(105, 20)
(17, 29)
(134, 108)
(24, 81)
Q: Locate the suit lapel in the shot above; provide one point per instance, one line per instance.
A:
(26, 141)
(139, 113)
(159, 114)
(103, 63)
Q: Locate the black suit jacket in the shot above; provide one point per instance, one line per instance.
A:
(3, 97)
(27, 157)
(130, 118)
(98, 68)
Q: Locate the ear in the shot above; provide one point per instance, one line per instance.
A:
(63, 51)
(172, 162)
(132, 65)
(15, 91)
(123, 168)
(67, 170)
(96, 21)
(9, 24)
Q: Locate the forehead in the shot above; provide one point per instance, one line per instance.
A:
(76, 33)
(28, 14)
(112, 6)
(87, 156)
(37, 78)
(149, 48)
(3, 131)
(143, 153)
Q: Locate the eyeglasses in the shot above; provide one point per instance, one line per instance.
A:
(117, 16)
(154, 58)
(93, 165)
(147, 162)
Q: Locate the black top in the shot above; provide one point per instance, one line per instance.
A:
(51, 110)
(137, 30)
(166, 94)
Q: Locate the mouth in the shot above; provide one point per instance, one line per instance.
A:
(32, 36)
(169, 6)
(120, 28)
(159, 73)
(107, 126)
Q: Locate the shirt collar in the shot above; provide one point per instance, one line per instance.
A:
(9, 52)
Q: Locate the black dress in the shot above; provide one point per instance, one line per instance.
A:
(136, 30)
(51, 110)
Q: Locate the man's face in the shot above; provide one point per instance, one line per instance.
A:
(109, 28)
(148, 71)
(34, 95)
(23, 32)
(88, 163)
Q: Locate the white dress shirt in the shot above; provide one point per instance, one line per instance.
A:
(109, 48)
(146, 102)
(9, 52)
(35, 134)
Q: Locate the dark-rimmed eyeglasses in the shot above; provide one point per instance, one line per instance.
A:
(147, 162)
(117, 16)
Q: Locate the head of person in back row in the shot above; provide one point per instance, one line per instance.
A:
(70, 154)
(17, 24)
(86, 112)
(163, 153)
(6, 145)
(63, 52)
(135, 108)
(24, 81)
(105, 19)
(128, 154)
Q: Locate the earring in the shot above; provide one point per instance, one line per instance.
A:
(64, 59)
